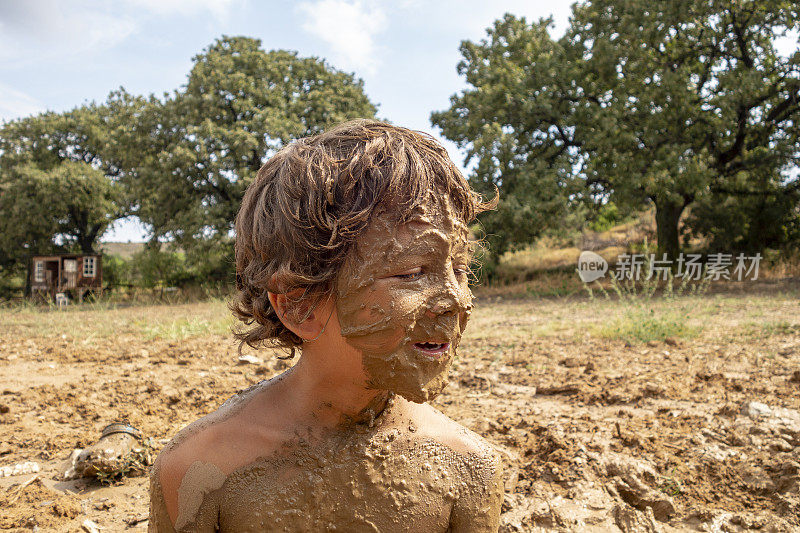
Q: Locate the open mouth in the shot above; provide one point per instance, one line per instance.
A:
(432, 349)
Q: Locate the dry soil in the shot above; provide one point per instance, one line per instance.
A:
(646, 415)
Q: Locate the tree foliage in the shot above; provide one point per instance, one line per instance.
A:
(767, 218)
(208, 140)
(59, 181)
(180, 163)
(643, 103)
(66, 207)
(508, 123)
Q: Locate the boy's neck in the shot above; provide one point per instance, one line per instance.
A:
(324, 401)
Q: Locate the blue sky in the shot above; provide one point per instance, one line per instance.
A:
(55, 55)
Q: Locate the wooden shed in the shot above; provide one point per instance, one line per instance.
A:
(73, 275)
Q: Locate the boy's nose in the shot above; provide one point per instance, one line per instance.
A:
(442, 305)
(448, 299)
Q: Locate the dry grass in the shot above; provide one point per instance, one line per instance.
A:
(786, 266)
(548, 255)
(513, 313)
(726, 317)
(91, 321)
(125, 250)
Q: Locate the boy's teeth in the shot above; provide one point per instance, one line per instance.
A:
(430, 345)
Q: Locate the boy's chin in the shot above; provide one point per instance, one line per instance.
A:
(415, 380)
(428, 392)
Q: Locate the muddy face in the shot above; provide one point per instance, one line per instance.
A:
(403, 300)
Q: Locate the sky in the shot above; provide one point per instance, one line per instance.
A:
(58, 54)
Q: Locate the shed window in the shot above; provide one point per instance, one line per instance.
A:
(88, 267)
(38, 271)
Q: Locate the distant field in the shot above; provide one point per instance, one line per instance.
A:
(123, 249)
(602, 409)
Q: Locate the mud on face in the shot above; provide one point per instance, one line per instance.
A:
(403, 299)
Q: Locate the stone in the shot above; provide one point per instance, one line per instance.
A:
(90, 527)
(28, 467)
(756, 410)
(249, 360)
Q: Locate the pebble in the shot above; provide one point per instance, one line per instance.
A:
(90, 527)
(249, 360)
(28, 467)
(756, 409)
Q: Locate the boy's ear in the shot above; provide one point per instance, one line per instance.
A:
(296, 313)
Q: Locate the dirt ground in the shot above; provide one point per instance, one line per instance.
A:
(649, 415)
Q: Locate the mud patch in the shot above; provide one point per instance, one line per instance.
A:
(620, 433)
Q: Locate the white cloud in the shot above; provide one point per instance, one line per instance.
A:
(33, 30)
(14, 103)
(349, 27)
(219, 8)
(45, 28)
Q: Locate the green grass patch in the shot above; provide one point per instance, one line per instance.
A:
(640, 324)
(763, 330)
(103, 320)
(183, 328)
(671, 485)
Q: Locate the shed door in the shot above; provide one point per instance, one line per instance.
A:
(51, 274)
(70, 274)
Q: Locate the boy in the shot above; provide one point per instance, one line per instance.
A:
(351, 245)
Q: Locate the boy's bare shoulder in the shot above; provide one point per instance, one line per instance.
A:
(207, 449)
(211, 439)
(196, 442)
(203, 436)
(433, 425)
(477, 506)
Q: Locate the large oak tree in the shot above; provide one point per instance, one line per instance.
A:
(643, 102)
(180, 162)
(208, 139)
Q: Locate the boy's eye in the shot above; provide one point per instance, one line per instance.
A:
(414, 273)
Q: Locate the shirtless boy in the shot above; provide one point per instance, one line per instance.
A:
(351, 246)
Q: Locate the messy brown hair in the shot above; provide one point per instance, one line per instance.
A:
(309, 204)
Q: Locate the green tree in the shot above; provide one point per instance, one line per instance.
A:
(83, 201)
(510, 124)
(87, 134)
(769, 217)
(204, 144)
(22, 235)
(640, 102)
(60, 176)
(66, 207)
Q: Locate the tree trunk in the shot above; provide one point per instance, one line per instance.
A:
(28, 275)
(87, 237)
(85, 242)
(667, 216)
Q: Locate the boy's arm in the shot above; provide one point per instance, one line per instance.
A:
(182, 497)
(159, 521)
(478, 508)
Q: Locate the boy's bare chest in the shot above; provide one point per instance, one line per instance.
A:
(383, 486)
